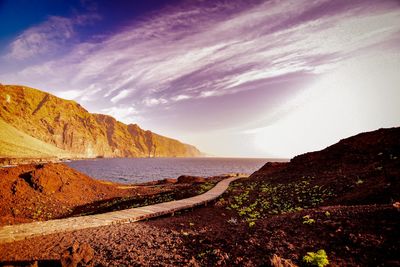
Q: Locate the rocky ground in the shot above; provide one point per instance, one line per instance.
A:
(351, 236)
(342, 200)
(54, 190)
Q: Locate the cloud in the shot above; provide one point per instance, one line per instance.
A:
(121, 95)
(41, 39)
(47, 37)
(154, 101)
(70, 94)
(180, 98)
(123, 113)
(201, 50)
(207, 94)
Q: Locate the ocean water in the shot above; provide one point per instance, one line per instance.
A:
(139, 170)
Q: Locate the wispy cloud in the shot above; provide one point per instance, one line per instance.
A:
(206, 49)
(122, 113)
(47, 37)
(121, 95)
(154, 101)
(41, 39)
(180, 97)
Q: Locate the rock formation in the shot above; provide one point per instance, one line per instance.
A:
(67, 126)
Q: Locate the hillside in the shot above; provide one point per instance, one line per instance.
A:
(362, 169)
(38, 192)
(16, 144)
(66, 125)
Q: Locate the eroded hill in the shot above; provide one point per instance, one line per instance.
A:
(66, 125)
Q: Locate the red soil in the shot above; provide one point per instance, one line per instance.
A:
(54, 190)
(48, 191)
(32, 192)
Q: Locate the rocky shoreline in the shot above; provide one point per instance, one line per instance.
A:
(13, 162)
(46, 191)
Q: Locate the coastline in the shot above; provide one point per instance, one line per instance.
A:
(9, 161)
(345, 196)
(53, 190)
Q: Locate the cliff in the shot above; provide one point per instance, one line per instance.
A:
(69, 130)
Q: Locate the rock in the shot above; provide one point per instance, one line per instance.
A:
(168, 181)
(42, 181)
(77, 255)
(186, 179)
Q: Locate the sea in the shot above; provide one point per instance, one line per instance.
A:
(140, 170)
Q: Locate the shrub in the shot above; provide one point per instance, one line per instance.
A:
(318, 258)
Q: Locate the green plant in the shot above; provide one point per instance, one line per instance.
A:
(318, 258)
(205, 187)
(308, 220)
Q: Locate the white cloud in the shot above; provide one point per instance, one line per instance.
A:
(47, 37)
(180, 97)
(154, 101)
(208, 94)
(126, 114)
(121, 95)
(70, 94)
(240, 49)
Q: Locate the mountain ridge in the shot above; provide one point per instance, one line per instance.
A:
(66, 125)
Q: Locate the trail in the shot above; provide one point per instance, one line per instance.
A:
(12, 233)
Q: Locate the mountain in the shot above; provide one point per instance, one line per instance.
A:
(362, 169)
(38, 123)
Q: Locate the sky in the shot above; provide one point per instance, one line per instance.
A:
(234, 78)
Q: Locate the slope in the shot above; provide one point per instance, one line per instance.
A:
(362, 169)
(14, 143)
(67, 125)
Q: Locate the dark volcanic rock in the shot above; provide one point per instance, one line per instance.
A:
(186, 179)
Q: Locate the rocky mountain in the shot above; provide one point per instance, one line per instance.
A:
(62, 127)
(362, 169)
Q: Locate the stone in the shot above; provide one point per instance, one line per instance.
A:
(77, 255)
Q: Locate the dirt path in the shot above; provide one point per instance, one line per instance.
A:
(19, 232)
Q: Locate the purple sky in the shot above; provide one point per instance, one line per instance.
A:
(234, 78)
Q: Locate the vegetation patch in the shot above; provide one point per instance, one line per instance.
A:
(259, 199)
(318, 258)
